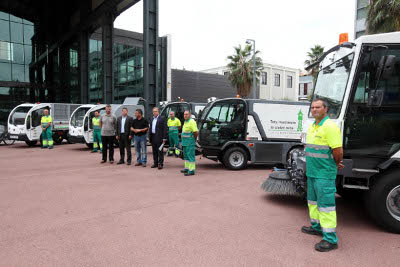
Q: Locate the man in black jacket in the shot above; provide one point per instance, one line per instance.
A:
(124, 136)
(158, 137)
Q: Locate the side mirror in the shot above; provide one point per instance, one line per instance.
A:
(385, 67)
(85, 124)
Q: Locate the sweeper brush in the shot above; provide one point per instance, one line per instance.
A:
(279, 182)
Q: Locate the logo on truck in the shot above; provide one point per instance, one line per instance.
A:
(300, 121)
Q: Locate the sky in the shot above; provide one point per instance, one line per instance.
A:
(204, 32)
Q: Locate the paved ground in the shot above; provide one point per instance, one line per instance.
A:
(62, 208)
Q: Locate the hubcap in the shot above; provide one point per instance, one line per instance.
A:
(236, 159)
(393, 202)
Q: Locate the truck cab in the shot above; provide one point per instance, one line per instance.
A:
(76, 124)
(180, 107)
(24, 122)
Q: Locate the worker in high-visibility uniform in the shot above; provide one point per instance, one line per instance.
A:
(189, 136)
(47, 135)
(324, 155)
(96, 132)
(174, 125)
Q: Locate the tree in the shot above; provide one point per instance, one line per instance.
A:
(313, 55)
(241, 69)
(383, 16)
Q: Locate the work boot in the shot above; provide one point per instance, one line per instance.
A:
(93, 151)
(138, 164)
(120, 162)
(325, 246)
(184, 171)
(189, 173)
(311, 231)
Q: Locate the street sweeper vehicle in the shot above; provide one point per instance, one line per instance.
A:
(24, 121)
(237, 131)
(360, 81)
(132, 104)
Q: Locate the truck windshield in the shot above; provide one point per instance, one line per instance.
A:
(331, 84)
(18, 117)
(77, 118)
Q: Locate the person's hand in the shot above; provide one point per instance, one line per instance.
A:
(164, 141)
(130, 137)
(340, 165)
(117, 137)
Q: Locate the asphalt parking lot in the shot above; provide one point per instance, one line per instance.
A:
(61, 207)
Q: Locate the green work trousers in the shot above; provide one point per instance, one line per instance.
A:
(97, 138)
(189, 154)
(173, 139)
(47, 138)
(322, 207)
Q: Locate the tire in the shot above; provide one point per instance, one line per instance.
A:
(31, 143)
(58, 139)
(383, 201)
(9, 141)
(89, 145)
(235, 158)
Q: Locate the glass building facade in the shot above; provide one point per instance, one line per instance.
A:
(15, 57)
(36, 73)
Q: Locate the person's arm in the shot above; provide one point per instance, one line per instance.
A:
(100, 122)
(195, 135)
(165, 130)
(338, 156)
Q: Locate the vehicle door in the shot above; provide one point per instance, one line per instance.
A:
(34, 119)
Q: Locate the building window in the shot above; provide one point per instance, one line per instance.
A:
(277, 80)
(226, 73)
(264, 78)
(305, 89)
(289, 82)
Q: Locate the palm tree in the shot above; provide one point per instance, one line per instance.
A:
(383, 16)
(241, 69)
(313, 55)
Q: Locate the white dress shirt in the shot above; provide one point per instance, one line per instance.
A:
(153, 126)
(123, 124)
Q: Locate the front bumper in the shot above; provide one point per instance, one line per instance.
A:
(18, 137)
(76, 139)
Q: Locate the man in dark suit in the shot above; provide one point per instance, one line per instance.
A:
(124, 136)
(158, 137)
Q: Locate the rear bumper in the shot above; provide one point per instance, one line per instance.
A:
(76, 139)
(18, 137)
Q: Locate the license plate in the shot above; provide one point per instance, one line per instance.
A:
(13, 137)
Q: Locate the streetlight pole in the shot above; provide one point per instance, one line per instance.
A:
(253, 93)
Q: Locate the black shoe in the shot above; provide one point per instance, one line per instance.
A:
(184, 171)
(153, 166)
(93, 151)
(160, 167)
(311, 231)
(189, 173)
(120, 162)
(129, 163)
(325, 246)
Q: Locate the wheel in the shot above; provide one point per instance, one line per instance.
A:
(31, 143)
(383, 201)
(235, 158)
(89, 145)
(9, 141)
(58, 139)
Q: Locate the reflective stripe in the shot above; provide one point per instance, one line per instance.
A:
(314, 220)
(329, 230)
(312, 202)
(317, 146)
(317, 155)
(328, 209)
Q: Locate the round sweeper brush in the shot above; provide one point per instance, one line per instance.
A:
(279, 182)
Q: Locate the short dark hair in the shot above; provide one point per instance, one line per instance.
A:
(108, 106)
(324, 102)
(140, 111)
(96, 111)
(186, 110)
(125, 108)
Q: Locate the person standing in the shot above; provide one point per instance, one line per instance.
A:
(96, 132)
(108, 123)
(158, 137)
(139, 128)
(189, 136)
(324, 155)
(47, 135)
(174, 125)
(124, 136)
